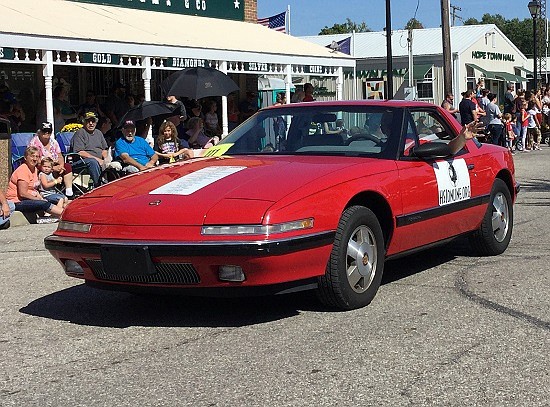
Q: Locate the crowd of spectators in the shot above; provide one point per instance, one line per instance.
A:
(519, 127)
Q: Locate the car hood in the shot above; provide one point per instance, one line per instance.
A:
(206, 191)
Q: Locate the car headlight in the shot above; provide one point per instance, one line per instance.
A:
(74, 226)
(264, 230)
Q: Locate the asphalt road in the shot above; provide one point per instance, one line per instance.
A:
(446, 329)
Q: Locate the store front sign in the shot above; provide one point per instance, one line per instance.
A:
(99, 58)
(176, 62)
(7, 53)
(256, 66)
(493, 56)
(225, 9)
(314, 69)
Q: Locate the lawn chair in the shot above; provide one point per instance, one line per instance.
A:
(81, 176)
(19, 143)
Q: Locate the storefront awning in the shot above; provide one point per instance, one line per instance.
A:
(419, 71)
(486, 73)
(76, 26)
(509, 77)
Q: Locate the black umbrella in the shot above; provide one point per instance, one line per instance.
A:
(152, 108)
(198, 83)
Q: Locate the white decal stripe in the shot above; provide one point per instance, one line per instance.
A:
(195, 181)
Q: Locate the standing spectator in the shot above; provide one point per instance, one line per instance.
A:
(115, 106)
(479, 87)
(6, 209)
(60, 101)
(509, 106)
(134, 151)
(232, 112)
(211, 120)
(308, 93)
(494, 122)
(49, 147)
(89, 143)
(249, 106)
(524, 122)
(467, 108)
(533, 127)
(90, 105)
(22, 188)
(509, 131)
(448, 104)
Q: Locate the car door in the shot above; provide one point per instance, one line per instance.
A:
(436, 193)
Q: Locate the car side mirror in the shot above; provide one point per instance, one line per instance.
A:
(432, 150)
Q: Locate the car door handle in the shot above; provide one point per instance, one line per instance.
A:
(470, 167)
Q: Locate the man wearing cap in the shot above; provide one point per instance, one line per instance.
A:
(90, 144)
(135, 152)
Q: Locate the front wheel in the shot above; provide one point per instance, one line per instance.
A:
(495, 232)
(356, 263)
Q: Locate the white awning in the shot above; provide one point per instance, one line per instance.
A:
(72, 26)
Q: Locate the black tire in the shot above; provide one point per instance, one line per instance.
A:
(494, 234)
(351, 281)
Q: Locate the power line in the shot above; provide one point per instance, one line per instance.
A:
(454, 15)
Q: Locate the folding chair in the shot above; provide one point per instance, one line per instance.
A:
(81, 176)
(19, 142)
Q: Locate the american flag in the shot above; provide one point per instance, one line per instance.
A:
(277, 22)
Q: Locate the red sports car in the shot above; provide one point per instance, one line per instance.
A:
(301, 196)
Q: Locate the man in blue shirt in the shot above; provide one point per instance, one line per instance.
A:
(136, 154)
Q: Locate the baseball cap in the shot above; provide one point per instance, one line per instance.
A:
(46, 127)
(90, 115)
(128, 123)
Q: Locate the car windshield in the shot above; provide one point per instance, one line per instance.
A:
(317, 130)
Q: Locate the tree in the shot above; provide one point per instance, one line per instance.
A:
(413, 24)
(348, 27)
(519, 32)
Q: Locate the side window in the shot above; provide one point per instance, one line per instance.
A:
(424, 126)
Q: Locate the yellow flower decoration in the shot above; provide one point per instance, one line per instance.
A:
(71, 127)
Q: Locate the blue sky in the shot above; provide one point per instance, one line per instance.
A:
(308, 17)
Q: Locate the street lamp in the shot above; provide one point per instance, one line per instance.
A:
(534, 9)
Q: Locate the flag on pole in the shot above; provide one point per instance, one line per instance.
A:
(276, 22)
(343, 46)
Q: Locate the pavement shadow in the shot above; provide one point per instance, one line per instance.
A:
(83, 305)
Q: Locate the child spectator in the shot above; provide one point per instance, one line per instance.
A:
(168, 146)
(524, 122)
(48, 183)
(533, 128)
(509, 131)
(211, 120)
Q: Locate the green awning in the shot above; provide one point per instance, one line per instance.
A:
(509, 77)
(521, 68)
(486, 73)
(419, 71)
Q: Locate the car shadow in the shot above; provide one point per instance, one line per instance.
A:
(83, 305)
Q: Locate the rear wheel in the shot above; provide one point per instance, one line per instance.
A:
(495, 232)
(354, 271)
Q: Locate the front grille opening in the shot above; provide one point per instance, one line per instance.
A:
(165, 273)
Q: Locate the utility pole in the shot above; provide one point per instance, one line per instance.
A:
(389, 56)
(446, 37)
(454, 15)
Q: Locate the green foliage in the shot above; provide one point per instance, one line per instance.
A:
(519, 32)
(348, 27)
(413, 24)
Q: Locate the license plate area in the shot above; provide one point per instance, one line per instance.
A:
(127, 260)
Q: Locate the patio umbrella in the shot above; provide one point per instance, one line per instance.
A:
(197, 83)
(151, 108)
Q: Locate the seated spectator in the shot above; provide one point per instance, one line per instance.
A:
(89, 143)
(195, 135)
(136, 154)
(6, 209)
(49, 147)
(168, 146)
(22, 187)
(211, 120)
(48, 183)
(297, 97)
(308, 93)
